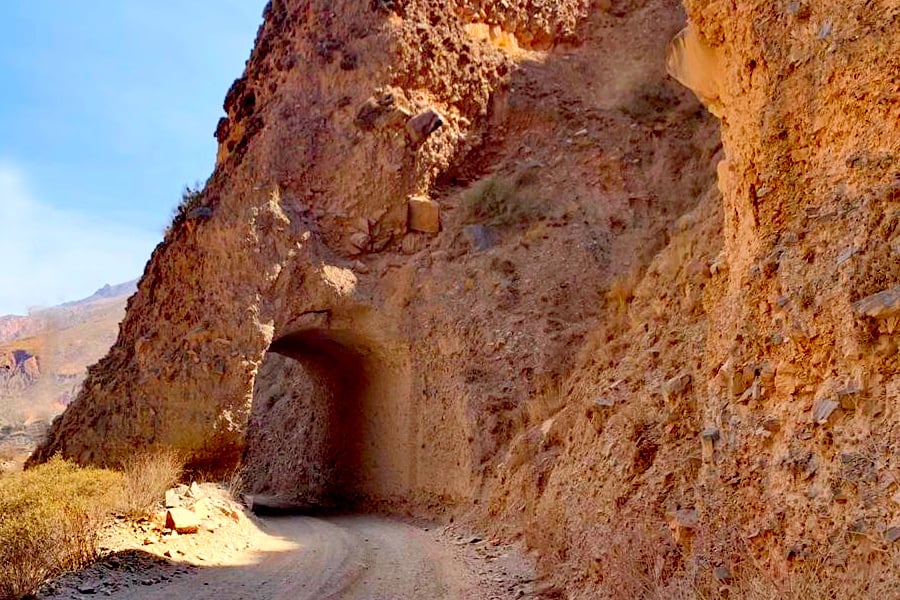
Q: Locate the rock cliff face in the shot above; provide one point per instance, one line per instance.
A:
(44, 356)
(300, 245)
(43, 360)
(741, 411)
(14, 326)
(18, 370)
(801, 373)
(470, 258)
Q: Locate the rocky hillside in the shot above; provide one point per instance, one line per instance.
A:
(44, 358)
(489, 260)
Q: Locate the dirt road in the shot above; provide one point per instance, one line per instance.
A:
(358, 557)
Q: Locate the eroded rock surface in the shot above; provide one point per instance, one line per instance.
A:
(599, 342)
(305, 251)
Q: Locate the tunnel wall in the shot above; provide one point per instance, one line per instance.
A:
(332, 426)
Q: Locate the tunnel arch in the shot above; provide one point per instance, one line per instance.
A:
(328, 426)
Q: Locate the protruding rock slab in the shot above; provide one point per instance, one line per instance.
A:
(424, 215)
(423, 125)
(882, 305)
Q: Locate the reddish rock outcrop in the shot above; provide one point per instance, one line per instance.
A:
(596, 337)
(298, 256)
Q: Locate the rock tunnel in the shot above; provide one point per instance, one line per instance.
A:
(327, 430)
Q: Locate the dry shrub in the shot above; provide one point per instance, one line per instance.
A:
(640, 562)
(621, 290)
(147, 477)
(504, 201)
(50, 520)
(548, 401)
(236, 485)
(637, 563)
(820, 577)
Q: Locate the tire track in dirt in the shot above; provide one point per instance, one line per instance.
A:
(352, 557)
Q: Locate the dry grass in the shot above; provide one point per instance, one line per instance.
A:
(147, 477)
(640, 563)
(549, 400)
(51, 516)
(504, 201)
(236, 484)
(621, 290)
(50, 520)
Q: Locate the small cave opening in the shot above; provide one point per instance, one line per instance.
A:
(308, 446)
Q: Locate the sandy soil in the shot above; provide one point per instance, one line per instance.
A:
(241, 556)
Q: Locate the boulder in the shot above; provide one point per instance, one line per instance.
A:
(172, 499)
(182, 520)
(424, 215)
(203, 508)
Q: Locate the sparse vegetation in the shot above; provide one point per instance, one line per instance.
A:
(190, 199)
(147, 477)
(621, 290)
(235, 484)
(51, 516)
(50, 520)
(641, 563)
(504, 201)
(190, 207)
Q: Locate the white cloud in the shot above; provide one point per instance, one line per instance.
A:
(49, 256)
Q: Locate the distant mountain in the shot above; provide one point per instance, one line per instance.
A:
(107, 291)
(13, 327)
(44, 357)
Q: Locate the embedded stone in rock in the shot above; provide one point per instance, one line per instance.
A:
(892, 534)
(786, 379)
(708, 439)
(771, 424)
(722, 573)
(683, 523)
(882, 305)
(823, 410)
(710, 433)
(380, 111)
(373, 111)
(605, 402)
(361, 241)
(676, 386)
(182, 520)
(423, 125)
(687, 518)
(424, 215)
(481, 237)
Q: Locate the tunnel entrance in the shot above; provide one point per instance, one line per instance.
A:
(325, 432)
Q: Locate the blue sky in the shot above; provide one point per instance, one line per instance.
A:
(107, 110)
